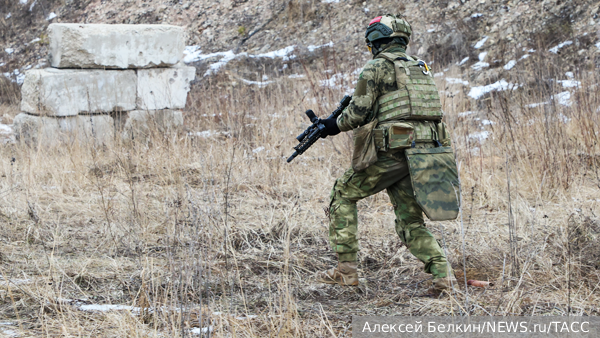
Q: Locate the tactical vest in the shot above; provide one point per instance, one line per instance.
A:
(417, 97)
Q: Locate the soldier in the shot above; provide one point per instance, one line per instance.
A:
(397, 101)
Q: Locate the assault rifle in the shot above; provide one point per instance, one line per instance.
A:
(313, 133)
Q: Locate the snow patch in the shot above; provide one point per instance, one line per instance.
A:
(452, 80)
(524, 57)
(467, 113)
(9, 50)
(8, 16)
(32, 5)
(569, 83)
(480, 43)
(563, 98)
(197, 330)
(260, 84)
(23, 2)
(258, 150)
(480, 136)
(431, 30)
(510, 64)
(463, 61)
(295, 76)
(480, 65)
(194, 54)
(312, 48)
(535, 105)
(330, 1)
(598, 45)
(477, 92)
(107, 307)
(51, 16)
(476, 15)
(438, 74)
(569, 75)
(560, 45)
(482, 56)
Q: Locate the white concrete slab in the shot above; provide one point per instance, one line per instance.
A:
(164, 88)
(114, 46)
(51, 131)
(65, 92)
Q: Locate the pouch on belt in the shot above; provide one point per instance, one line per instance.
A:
(434, 179)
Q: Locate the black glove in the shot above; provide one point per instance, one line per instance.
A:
(331, 127)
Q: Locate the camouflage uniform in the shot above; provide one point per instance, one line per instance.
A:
(390, 172)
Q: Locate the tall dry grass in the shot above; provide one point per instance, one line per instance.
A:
(211, 228)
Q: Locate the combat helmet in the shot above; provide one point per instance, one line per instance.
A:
(388, 26)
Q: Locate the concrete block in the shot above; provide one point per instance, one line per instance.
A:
(67, 92)
(139, 125)
(49, 131)
(164, 88)
(115, 46)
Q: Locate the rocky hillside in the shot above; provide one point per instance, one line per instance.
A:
(485, 37)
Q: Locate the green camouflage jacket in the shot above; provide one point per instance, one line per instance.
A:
(377, 78)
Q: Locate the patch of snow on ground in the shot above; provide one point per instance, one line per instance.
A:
(9, 50)
(34, 40)
(23, 2)
(524, 57)
(9, 333)
(452, 80)
(477, 92)
(569, 75)
(258, 150)
(510, 64)
(8, 16)
(563, 98)
(569, 83)
(295, 76)
(480, 136)
(438, 74)
(280, 53)
(107, 307)
(476, 15)
(480, 65)
(312, 48)
(560, 45)
(258, 83)
(366, 10)
(480, 43)
(32, 5)
(487, 122)
(431, 30)
(535, 105)
(51, 16)
(463, 61)
(598, 45)
(14, 281)
(194, 54)
(197, 330)
(467, 113)
(563, 118)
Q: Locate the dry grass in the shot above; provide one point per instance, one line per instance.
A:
(191, 230)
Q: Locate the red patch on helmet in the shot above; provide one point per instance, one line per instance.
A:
(377, 19)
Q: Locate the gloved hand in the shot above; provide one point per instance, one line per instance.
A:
(331, 127)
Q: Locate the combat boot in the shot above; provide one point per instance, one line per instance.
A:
(344, 274)
(443, 284)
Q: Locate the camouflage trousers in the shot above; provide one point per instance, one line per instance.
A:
(391, 174)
